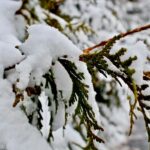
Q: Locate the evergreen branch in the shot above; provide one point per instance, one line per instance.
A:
(80, 94)
(121, 35)
(97, 60)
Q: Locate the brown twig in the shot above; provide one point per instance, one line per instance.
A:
(139, 29)
(19, 97)
(147, 74)
(19, 94)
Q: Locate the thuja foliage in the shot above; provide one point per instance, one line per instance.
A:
(80, 93)
(96, 62)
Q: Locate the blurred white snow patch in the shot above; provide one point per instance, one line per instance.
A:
(7, 12)
(69, 136)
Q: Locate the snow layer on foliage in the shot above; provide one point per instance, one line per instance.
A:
(63, 81)
(64, 87)
(7, 11)
(42, 47)
(139, 50)
(70, 135)
(51, 40)
(91, 93)
(5, 50)
(15, 131)
(8, 34)
(8, 39)
(48, 43)
(43, 42)
(45, 114)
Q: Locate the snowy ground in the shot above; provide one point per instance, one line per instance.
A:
(138, 139)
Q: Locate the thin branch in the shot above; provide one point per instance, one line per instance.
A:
(121, 35)
(10, 67)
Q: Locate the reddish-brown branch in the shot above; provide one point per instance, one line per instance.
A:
(139, 29)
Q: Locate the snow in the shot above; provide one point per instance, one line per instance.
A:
(139, 50)
(7, 34)
(8, 8)
(15, 131)
(5, 51)
(63, 81)
(14, 128)
(68, 136)
(45, 114)
(32, 58)
(91, 93)
(51, 45)
(64, 86)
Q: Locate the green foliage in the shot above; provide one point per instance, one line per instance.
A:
(80, 27)
(80, 94)
(97, 60)
(51, 5)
